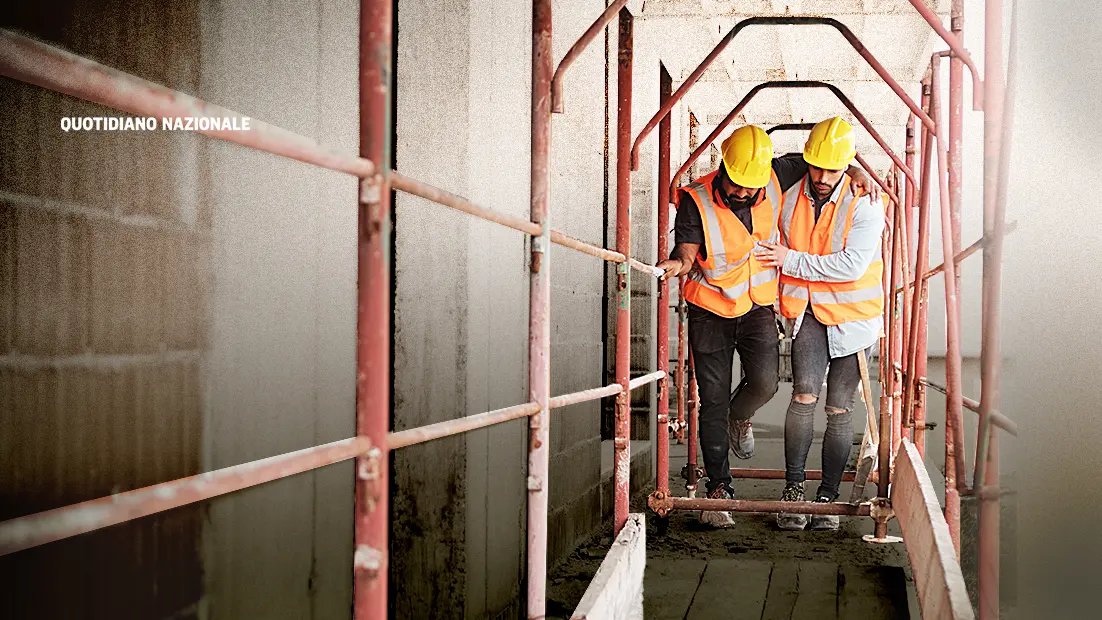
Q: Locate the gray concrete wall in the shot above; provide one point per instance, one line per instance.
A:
(577, 192)
(258, 306)
(280, 372)
(643, 216)
(461, 302)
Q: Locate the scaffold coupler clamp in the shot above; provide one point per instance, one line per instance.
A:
(880, 509)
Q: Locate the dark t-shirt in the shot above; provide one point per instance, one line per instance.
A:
(688, 227)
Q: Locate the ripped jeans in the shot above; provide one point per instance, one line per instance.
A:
(810, 360)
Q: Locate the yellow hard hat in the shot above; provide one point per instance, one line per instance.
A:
(831, 145)
(748, 156)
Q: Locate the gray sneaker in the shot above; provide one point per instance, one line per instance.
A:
(740, 437)
(793, 492)
(824, 522)
(718, 518)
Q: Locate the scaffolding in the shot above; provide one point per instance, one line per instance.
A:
(902, 403)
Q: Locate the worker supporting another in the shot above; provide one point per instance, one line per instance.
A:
(730, 294)
(829, 255)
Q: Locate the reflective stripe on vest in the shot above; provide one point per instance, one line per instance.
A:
(729, 284)
(833, 303)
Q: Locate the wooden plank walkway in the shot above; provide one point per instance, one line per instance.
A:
(755, 571)
(738, 589)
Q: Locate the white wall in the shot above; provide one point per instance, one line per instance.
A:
(1050, 331)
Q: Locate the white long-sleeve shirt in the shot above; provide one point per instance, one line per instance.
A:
(862, 247)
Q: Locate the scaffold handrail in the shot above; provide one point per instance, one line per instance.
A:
(25, 59)
(576, 50)
(43, 65)
(963, 254)
(67, 521)
(958, 49)
(787, 20)
(997, 418)
(727, 120)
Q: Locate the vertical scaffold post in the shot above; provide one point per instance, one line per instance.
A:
(665, 88)
(373, 315)
(996, 129)
(539, 309)
(622, 442)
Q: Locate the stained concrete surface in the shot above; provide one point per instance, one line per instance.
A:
(753, 569)
(874, 579)
(281, 366)
(463, 73)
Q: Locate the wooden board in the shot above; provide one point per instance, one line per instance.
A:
(731, 590)
(784, 585)
(872, 593)
(669, 587)
(939, 582)
(818, 591)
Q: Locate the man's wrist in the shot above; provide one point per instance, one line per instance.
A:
(788, 256)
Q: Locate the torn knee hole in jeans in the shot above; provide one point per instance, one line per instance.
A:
(835, 410)
(805, 399)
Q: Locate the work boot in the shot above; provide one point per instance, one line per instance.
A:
(740, 437)
(793, 492)
(718, 518)
(824, 522)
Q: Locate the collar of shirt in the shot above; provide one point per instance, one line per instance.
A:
(817, 202)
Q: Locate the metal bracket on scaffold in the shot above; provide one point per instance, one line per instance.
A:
(880, 509)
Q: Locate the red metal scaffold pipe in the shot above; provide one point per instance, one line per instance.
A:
(894, 325)
(576, 50)
(791, 84)
(916, 366)
(539, 310)
(922, 336)
(694, 426)
(956, 43)
(662, 435)
(622, 443)
(909, 233)
(776, 21)
(997, 124)
(954, 422)
(373, 315)
(682, 361)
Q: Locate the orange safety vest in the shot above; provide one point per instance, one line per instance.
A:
(731, 279)
(833, 303)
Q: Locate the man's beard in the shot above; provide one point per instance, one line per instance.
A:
(734, 202)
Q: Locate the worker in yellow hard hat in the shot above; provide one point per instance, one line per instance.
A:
(730, 294)
(831, 293)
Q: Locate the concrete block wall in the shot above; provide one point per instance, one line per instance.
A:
(172, 305)
(103, 283)
(643, 221)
